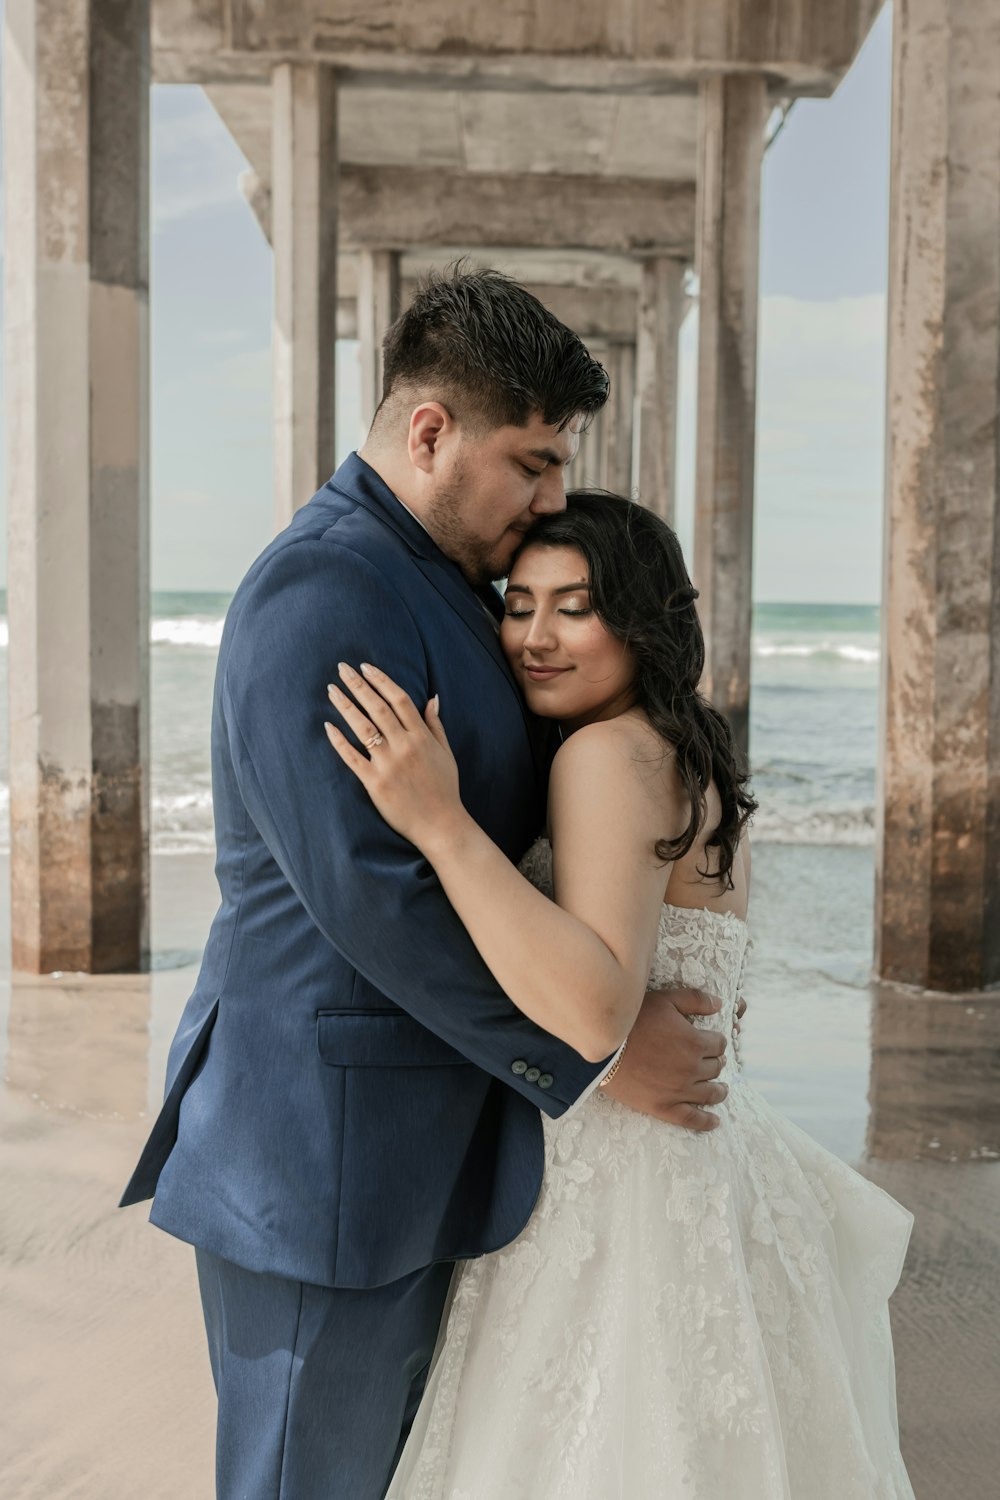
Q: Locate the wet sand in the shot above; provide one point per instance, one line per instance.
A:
(105, 1391)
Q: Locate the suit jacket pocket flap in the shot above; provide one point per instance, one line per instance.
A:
(380, 1039)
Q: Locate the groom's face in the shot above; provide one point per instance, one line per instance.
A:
(491, 488)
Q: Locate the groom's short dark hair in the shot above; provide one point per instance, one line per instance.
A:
(489, 350)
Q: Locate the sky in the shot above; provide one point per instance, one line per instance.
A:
(824, 237)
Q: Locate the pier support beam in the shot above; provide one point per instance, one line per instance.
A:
(660, 315)
(378, 308)
(304, 235)
(938, 886)
(76, 132)
(619, 418)
(589, 468)
(733, 113)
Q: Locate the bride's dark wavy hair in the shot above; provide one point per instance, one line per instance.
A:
(641, 591)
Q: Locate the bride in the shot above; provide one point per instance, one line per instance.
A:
(685, 1317)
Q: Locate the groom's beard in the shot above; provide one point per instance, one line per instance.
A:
(480, 560)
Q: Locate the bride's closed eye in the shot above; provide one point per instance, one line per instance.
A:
(524, 614)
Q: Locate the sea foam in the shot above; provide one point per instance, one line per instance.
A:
(861, 655)
(851, 826)
(191, 630)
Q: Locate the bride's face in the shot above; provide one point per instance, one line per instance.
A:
(569, 666)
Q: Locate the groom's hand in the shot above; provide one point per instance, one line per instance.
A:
(670, 1068)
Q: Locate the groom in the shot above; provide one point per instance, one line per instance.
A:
(352, 1103)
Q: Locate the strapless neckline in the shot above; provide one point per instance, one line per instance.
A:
(706, 911)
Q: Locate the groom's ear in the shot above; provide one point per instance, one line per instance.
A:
(431, 429)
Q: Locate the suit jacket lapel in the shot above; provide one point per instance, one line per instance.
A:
(359, 482)
(453, 588)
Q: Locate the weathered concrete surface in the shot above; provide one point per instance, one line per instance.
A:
(611, 282)
(379, 288)
(588, 469)
(938, 921)
(548, 44)
(618, 415)
(461, 130)
(304, 235)
(410, 206)
(404, 206)
(727, 258)
(606, 313)
(660, 315)
(76, 91)
(590, 270)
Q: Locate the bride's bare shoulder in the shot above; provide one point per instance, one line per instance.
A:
(625, 758)
(629, 738)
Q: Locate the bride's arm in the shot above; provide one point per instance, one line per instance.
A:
(577, 968)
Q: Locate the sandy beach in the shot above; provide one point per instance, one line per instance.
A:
(105, 1392)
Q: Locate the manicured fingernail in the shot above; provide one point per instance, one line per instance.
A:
(436, 703)
(366, 666)
(345, 670)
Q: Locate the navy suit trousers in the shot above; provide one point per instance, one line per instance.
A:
(317, 1385)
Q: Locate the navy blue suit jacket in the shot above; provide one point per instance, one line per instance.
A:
(342, 1105)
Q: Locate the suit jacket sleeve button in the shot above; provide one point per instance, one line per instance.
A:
(532, 1075)
(519, 1067)
(546, 1081)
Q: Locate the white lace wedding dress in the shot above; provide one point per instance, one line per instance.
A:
(685, 1317)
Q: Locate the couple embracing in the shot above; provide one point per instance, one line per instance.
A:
(483, 1206)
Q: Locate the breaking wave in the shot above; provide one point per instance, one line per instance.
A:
(190, 630)
(860, 655)
(852, 826)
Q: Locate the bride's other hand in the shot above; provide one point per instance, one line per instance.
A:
(670, 1068)
(406, 765)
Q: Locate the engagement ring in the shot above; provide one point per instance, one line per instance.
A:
(376, 739)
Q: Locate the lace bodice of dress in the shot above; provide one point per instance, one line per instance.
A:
(696, 948)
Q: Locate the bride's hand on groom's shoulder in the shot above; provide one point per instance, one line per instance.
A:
(670, 1068)
(405, 762)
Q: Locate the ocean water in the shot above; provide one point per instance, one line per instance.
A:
(813, 721)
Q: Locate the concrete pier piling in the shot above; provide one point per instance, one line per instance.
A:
(731, 147)
(619, 415)
(379, 282)
(304, 197)
(76, 111)
(660, 315)
(938, 880)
